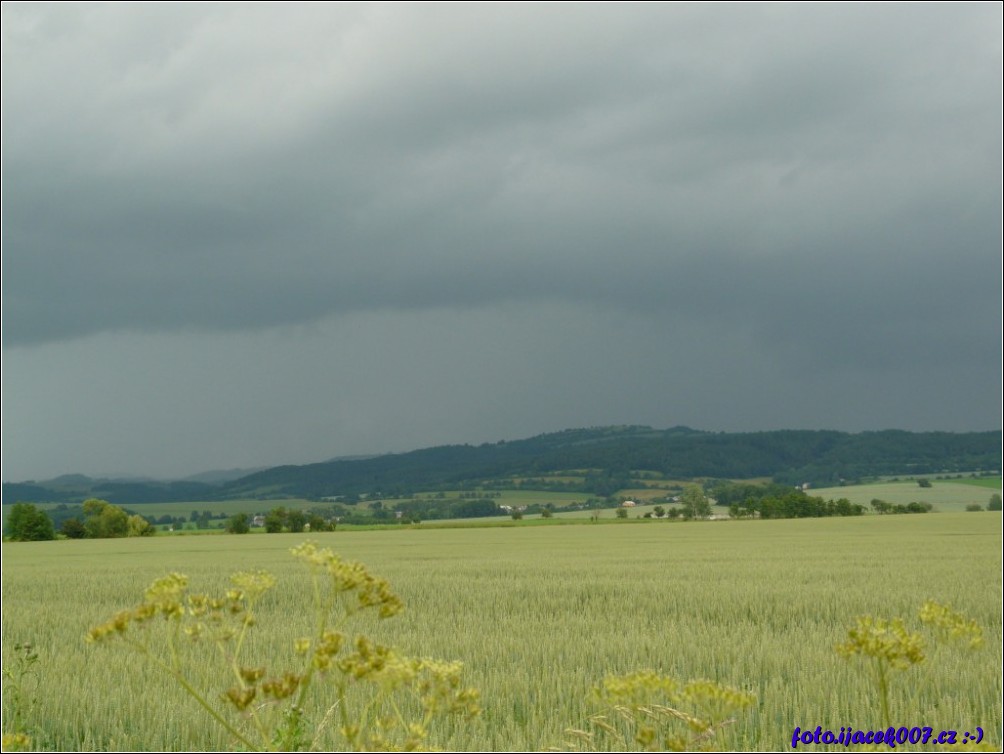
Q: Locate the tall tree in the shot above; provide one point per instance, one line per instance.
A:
(296, 520)
(275, 519)
(694, 502)
(26, 523)
(239, 523)
(104, 519)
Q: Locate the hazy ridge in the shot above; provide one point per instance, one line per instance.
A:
(601, 457)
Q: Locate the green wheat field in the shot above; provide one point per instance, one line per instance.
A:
(539, 615)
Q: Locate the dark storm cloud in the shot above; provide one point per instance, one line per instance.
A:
(228, 168)
(811, 184)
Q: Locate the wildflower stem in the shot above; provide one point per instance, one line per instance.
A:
(347, 729)
(248, 618)
(883, 682)
(192, 692)
(172, 648)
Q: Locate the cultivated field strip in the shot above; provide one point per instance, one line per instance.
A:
(540, 614)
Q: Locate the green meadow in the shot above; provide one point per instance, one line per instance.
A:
(990, 482)
(539, 614)
(944, 495)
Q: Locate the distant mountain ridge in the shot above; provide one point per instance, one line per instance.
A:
(602, 457)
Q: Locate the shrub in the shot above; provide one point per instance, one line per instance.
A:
(73, 529)
(26, 523)
(275, 519)
(239, 523)
(104, 519)
(140, 527)
(296, 520)
(317, 523)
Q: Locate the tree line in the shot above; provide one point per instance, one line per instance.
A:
(98, 519)
(777, 501)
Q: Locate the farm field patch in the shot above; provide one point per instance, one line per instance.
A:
(990, 482)
(944, 495)
(540, 614)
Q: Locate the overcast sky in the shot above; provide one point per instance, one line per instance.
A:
(242, 235)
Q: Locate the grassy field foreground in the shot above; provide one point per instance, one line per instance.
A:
(539, 615)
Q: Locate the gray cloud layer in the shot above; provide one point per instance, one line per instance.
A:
(822, 181)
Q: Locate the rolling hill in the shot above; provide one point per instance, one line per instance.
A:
(598, 460)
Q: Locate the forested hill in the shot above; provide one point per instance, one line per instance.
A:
(603, 459)
(791, 456)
